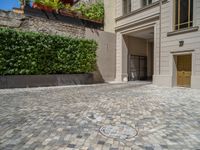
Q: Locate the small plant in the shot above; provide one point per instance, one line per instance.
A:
(54, 4)
(94, 11)
(81, 7)
(68, 7)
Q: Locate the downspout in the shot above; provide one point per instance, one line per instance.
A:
(160, 39)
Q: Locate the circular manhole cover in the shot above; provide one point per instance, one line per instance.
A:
(121, 131)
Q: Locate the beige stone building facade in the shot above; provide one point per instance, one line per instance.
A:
(158, 41)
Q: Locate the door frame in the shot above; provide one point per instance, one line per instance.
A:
(139, 58)
(174, 72)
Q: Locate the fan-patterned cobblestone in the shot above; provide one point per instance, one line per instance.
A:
(62, 118)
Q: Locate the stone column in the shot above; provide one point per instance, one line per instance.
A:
(121, 58)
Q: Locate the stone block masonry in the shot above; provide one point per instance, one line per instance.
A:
(37, 24)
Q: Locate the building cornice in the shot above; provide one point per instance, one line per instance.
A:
(140, 10)
(139, 21)
(181, 52)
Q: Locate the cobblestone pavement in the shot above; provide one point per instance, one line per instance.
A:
(129, 116)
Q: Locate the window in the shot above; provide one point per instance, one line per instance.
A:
(127, 6)
(183, 14)
(146, 2)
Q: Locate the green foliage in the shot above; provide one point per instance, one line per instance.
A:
(28, 53)
(54, 4)
(94, 11)
(81, 7)
(68, 7)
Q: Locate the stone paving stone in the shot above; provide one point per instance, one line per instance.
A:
(101, 142)
(114, 148)
(71, 145)
(148, 148)
(70, 117)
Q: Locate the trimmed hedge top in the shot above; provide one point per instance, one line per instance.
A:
(28, 53)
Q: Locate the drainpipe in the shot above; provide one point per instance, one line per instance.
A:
(160, 39)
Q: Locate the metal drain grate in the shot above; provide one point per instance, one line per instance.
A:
(123, 132)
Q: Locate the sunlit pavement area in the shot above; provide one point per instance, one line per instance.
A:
(135, 115)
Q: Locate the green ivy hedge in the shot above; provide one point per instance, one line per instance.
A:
(28, 53)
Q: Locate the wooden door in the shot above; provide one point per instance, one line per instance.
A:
(184, 68)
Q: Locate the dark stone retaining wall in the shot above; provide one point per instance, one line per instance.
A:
(63, 18)
(23, 81)
(38, 24)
